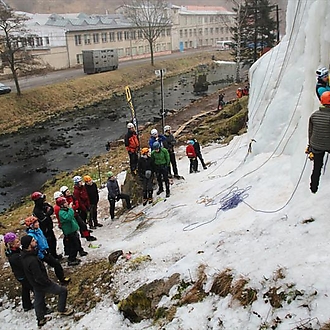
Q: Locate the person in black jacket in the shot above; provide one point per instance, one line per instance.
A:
(146, 174)
(13, 253)
(319, 139)
(93, 195)
(197, 148)
(114, 194)
(169, 144)
(37, 276)
(43, 211)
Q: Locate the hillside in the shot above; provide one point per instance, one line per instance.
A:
(99, 6)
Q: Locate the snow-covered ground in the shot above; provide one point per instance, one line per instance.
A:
(266, 234)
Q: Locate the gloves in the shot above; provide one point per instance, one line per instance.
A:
(309, 152)
(117, 198)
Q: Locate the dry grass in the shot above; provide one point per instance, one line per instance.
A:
(222, 283)
(245, 296)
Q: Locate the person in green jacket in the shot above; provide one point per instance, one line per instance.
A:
(70, 229)
(161, 161)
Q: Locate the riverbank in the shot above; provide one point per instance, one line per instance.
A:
(38, 104)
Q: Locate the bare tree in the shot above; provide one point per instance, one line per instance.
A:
(151, 17)
(13, 42)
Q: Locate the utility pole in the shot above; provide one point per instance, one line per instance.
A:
(160, 73)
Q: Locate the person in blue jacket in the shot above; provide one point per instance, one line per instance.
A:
(33, 230)
(322, 84)
(155, 137)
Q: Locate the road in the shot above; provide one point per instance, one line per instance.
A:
(69, 74)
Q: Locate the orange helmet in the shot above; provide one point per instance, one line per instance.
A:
(87, 178)
(30, 220)
(325, 98)
(144, 151)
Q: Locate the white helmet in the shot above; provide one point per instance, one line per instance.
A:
(130, 125)
(57, 194)
(63, 189)
(167, 128)
(77, 179)
(322, 72)
(154, 131)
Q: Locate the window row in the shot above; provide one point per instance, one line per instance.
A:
(191, 32)
(105, 37)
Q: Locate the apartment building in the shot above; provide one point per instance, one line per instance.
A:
(58, 40)
(200, 26)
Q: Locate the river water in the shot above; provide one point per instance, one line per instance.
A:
(34, 155)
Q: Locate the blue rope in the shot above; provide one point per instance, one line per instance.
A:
(233, 198)
(229, 201)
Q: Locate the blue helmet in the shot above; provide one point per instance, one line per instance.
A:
(192, 142)
(156, 145)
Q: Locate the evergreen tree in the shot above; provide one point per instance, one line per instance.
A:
(255, 29)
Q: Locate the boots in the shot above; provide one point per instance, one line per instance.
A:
(145, 201)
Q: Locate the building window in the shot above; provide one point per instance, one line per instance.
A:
(211, 30)
(168, 32)
(134, 51)
(181, 33)
(185, 32)
(140, 49)
(140, 34)
(206, 31)
(128, 51)
(120, 52)
(96, 39)
(190, 32)
(77, 39)
(87, 39)
(111, 36)
(206, 20)
(47, 41)
(30, 41)
(133, 35)
(39, 41)
(126, 36)
(104, 37)
(195, 32)
(217, 30)
(163, 33)
(200, 31)
(79, 58)
(120, 36)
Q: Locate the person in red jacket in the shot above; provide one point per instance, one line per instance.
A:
(81, 195)
(73, 203)
(191, 153)
(132, 145)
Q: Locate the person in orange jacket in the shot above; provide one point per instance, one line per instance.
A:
(191, 153)
(132, 145)
(239, 92)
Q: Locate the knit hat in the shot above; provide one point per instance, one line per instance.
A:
(26, 241)
(110, 174)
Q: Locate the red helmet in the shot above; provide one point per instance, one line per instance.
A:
(30, 220)
(60, 201)
(37, 195)
(325, 98)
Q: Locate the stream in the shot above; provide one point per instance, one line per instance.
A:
(34, 155)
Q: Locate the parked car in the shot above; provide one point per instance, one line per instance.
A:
(4, 89)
